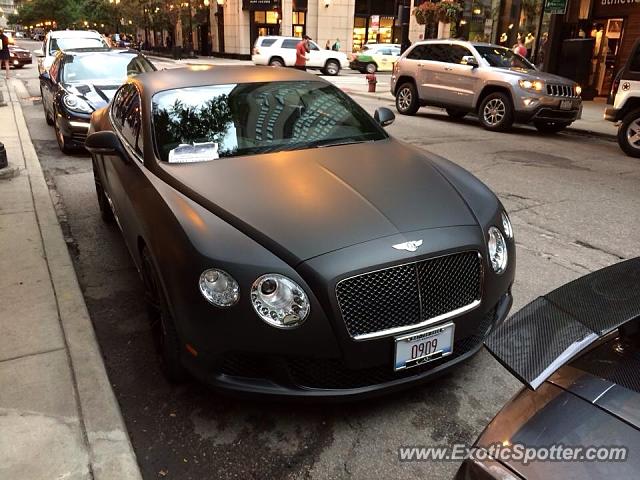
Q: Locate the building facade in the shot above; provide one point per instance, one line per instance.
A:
(7, 7)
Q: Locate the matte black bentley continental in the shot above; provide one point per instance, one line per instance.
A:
(288, 245)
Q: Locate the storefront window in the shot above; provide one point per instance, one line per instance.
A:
(373, 22)
(272, 17)
(298, 24)
(478, 21)
(520, 21)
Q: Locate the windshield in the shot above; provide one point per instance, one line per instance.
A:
(75, 42)
(206, 123)
(503, 58)
(111, 68)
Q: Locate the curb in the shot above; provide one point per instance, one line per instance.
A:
(111, 456)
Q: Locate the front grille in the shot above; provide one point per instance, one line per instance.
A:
(558, 90)
(333, 374)
(409, 294)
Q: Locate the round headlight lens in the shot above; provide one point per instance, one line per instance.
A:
(279, 301)
(219, 288)
(506, 225)
(497, 250)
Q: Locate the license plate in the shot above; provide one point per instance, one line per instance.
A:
(425, 346)
(566, 104)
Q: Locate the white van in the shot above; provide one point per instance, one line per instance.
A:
(65, 40)
(281, 52)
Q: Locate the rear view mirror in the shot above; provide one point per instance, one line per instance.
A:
(384, 116)
(104, 143)
(469, 60)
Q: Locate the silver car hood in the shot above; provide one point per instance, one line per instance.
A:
(530, 74)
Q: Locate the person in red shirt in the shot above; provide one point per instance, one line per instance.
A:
(301, 53)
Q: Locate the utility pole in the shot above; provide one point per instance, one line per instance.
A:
(403, 17)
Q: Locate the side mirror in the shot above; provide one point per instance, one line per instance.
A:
(38, 53)
(104, 143)
(470, 60)
(45, 77)
(384, 116)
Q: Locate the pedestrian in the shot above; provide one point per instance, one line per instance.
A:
(336, 45)
(327, 46)
(301, 53)
(4, 52)
(520, 49)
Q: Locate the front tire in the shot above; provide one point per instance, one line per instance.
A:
(496, 112)
(331, 68)
(47, 117)
(629, 134)
(550, 127)
(162, 324)
(407, 102)
(103, 203)
(64, 143)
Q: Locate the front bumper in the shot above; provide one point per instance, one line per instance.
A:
(530, 108)
(75, 127)
(331, 379)
(612, 114)
(20, 61)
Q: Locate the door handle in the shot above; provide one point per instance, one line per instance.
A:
(420, 65)
(447, 69)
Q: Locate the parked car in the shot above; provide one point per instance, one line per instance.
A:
(80, 82)
(500, 86)
(623, 105)
(376, 57)
(577, 350)
(19, 57)
(281, 52)
(65, 40)
(287, 244)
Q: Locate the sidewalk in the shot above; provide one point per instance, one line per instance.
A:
(59, 418)
(591, 123)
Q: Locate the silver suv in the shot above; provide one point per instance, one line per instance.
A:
(498, 85)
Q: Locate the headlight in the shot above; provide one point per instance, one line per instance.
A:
(75, 103)
(279, 301)
(506, 225)
(535, 85)
(497, 251)
(578, 90)
(219, 288)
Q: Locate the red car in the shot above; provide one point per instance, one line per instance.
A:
(19, 57)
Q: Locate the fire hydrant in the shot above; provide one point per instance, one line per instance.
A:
(372, 80)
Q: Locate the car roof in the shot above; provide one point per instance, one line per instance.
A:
(457, 42)
(73, 33)
(79, 52)
(203, 75)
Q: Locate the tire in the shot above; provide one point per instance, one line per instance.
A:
(371, 68)
(629, 134)
(47, 117)
(550, 127)
(407, 101)
(162, 325)
(456, 113)
(332, 68)
(105, 209)
(496, 112)
(276, 62)
(64, 143)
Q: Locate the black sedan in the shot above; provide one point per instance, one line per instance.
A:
(19, 57)
(580, 420)
(288, 245)
(80, 82)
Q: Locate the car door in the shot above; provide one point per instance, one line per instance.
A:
(124, 176)
(49, 84)
(455, 80)
(316, 57)
(420, 63)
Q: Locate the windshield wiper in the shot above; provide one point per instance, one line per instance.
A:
(336, 142)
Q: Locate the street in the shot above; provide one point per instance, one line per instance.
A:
(574, 203)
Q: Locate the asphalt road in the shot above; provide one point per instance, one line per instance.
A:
(574, 202)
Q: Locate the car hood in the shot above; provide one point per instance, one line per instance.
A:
(537, 75)
(96, 95)
(301, 204)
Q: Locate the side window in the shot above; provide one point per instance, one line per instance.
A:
(634, 62)
(313, 46)
(456, 52)
(418, 53)
(438, 52)
(267, 42)
(127, 117)
(290, 43)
